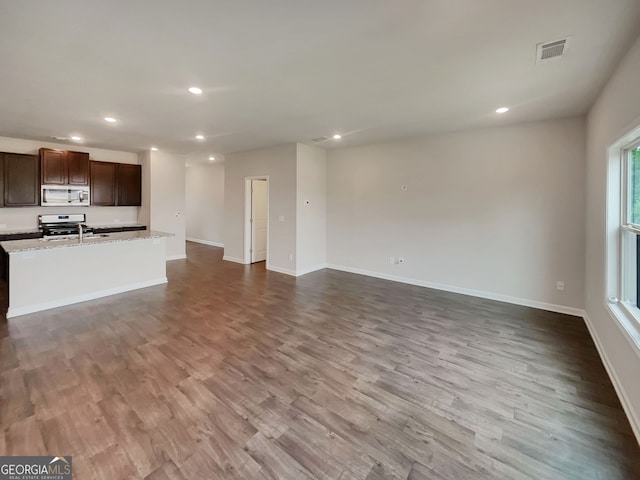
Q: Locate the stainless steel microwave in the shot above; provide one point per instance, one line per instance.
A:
(61, 195)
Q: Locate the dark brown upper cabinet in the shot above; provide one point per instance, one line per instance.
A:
(1, 179)
(116, 184)
(77, 168)
(129, 185)
(61, 167)
(21, 180)
(103, 183)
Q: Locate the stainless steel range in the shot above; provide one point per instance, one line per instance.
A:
(60, 226)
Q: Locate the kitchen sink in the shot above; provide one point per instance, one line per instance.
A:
(75, 237)
(96, 237)
(55, 239)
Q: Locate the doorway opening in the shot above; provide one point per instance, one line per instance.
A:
(256, 219)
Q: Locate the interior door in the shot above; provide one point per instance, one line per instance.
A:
(258, 221)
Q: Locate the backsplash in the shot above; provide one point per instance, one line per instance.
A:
(27, 217)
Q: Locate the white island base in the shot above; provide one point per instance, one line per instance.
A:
(52, 276)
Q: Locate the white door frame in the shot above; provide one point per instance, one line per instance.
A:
(247, 217)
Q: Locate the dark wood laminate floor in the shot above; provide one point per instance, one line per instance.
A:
(235, 372)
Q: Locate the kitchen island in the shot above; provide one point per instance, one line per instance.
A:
(49, 273)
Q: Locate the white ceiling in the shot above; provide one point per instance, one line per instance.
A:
(281, 71)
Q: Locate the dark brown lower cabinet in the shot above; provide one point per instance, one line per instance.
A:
(126, 228)
(21, 180)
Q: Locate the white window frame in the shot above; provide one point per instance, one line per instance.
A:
(619, 236)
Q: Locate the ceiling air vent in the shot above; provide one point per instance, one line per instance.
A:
(320, 139)
(551, 51)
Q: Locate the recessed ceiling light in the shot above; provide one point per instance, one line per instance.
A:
(154, 149)
(110, 119)
(199, 137)
(76, 138)
(212, 158)
(195, 90)
(337, 136)
(502, 110)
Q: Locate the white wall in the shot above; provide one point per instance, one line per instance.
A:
(205, 202)
(163, 190)
(311, 220)
(495, 212)
(27, 217)
(279, 164)
(144, 214)
(616, 112)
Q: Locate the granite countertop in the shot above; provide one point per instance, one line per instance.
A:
(14, 246)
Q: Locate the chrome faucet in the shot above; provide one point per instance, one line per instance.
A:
(80, 232)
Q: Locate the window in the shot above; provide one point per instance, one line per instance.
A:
(633, 156)
(623, 234)
(630, 231)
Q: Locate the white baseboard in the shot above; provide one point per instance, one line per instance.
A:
(632, 416)
(15, 312)
(304, 271)
(281, 270)
(233, 259)
(204, 242)
(286, 271)
(464, 291)
(182, 256)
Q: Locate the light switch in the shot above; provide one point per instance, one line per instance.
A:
(281, 218)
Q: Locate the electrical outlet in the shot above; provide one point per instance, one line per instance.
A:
(281, 218)
(560, 285)
(392, 261)
(291, 257)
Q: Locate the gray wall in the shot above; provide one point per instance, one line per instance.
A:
(279, 164)
(495, 212)
(204, 202)
(163, 197)
(616, 112)
(311, 221)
